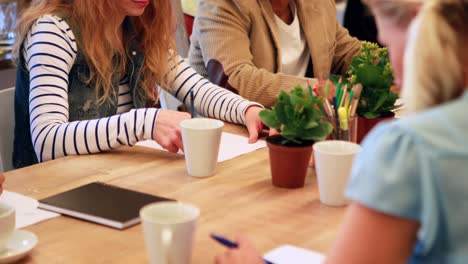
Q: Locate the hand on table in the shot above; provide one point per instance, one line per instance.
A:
(245, 253)
(167, 130)
(254, 124)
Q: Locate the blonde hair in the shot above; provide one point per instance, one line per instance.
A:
(97, 21)
(434, 58)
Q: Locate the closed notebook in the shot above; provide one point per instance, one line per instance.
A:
(101, 203)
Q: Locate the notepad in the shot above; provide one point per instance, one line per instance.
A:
(101, 203)
(26, 209)
(288, 254)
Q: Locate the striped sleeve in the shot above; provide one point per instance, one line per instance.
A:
(50, 51)
(210, 99)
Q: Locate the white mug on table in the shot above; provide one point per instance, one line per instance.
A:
(201, 138)
(333, 163)
(169, 229)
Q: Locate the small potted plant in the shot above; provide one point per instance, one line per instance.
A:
(373, 70)
(300, 122)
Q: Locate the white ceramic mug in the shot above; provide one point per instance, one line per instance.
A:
(7, 224)
(333, 163)
(201, 138)
(168, 229)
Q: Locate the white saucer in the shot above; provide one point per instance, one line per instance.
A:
(20, 243)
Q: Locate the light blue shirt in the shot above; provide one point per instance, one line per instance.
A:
(417, 168)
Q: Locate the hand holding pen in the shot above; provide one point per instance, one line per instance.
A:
(244, 251)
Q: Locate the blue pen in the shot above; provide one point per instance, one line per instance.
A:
(224, 241)
(228, 243)
(192, 104)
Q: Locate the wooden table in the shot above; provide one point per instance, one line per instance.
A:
(238, 199)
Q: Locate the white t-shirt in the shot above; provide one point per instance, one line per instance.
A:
(295, 54)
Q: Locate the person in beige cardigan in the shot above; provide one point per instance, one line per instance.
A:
(238, 44)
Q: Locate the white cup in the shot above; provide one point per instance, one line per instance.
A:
(333, 163)
(201, 138)
(7, 224)
(168, 229)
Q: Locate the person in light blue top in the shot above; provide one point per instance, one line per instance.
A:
(417, 169)
(409, 182)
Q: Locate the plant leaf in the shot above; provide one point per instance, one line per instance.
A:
(269, 118)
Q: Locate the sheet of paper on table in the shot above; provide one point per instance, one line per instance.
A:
(26, 209)
(231, 146)
(288, 254)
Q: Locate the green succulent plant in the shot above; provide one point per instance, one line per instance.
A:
(373, 70)
(297, 116)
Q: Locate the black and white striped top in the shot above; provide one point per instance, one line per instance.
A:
(50, 51)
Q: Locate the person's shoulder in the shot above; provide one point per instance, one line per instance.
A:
(243, 6)
(324, 9)
(386, 172)
(437, 130)
(320, 4)
(52, 29)
(52, 20)
(441, 127)
(55, 23)
(388, 136)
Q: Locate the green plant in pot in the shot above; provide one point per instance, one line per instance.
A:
(373, 70)
(300, 122)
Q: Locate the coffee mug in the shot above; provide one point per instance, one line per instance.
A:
(168, 229)
(333, 163)
(201, 138)
(7, 224)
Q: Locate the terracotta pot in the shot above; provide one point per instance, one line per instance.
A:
(365, 125)
(288, 164)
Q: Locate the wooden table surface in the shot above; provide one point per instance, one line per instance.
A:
(239, 198)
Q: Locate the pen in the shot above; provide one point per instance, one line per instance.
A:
(357, 93)
(338, 94)
(230, 244)
(310, 88)
(343, 94)
(192, 104)
(327, 88)
(342, 115)
(328, 108)
(224, 241)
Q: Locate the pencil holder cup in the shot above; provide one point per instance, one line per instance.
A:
(345, 132)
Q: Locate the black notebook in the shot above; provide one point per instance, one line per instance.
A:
(101, 203)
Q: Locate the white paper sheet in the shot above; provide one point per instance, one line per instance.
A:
(231, 146)
(26, 209)
(288, 254)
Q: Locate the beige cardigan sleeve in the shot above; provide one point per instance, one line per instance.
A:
(224, 39)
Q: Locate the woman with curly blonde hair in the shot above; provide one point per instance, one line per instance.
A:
(408, 184)
(87, 70)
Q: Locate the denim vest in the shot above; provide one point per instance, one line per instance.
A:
(82, 97)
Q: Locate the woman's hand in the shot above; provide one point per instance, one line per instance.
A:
(167, 130)
(255, 125)
(253, 122)
(2, 180)
(245, 253)
(320, 86)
